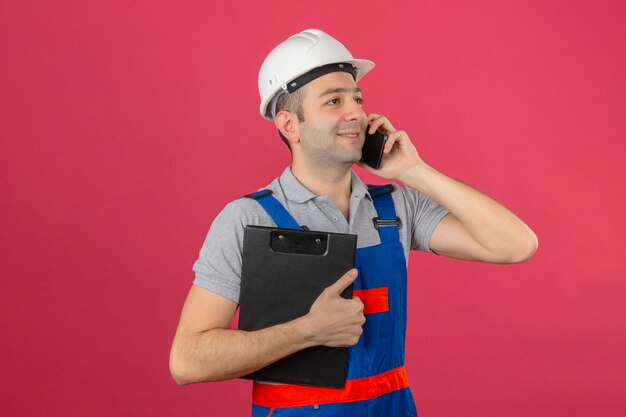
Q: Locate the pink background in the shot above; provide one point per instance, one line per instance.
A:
(126, 127)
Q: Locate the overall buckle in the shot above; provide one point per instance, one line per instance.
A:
(378, 191)
(259, 194)
(386, 222)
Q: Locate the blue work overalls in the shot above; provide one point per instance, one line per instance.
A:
(376, 383)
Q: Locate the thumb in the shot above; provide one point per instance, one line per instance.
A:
(344, 282)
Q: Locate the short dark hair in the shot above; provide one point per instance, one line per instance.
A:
(291, 102)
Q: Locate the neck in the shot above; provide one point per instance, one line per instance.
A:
(334, 183)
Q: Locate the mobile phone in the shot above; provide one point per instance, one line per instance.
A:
(372, 151)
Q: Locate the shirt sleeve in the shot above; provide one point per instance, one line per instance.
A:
(425, 214)
(218, 267)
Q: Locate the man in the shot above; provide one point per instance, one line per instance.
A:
(308, 88)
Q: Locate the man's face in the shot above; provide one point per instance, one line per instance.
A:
(335, 123)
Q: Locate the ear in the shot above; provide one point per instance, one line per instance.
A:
(287, 123)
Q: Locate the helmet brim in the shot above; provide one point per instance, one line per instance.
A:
(363, 66)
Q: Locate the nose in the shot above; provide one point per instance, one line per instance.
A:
(354, 111)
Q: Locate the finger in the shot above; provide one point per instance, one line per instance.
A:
(383, 123)
(344, 282)
(371, 119)
(391, 140)
(376, 123)
(358, 300)
(389, 126)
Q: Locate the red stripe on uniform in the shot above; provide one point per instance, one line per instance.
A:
(375, 300)
(266, 395)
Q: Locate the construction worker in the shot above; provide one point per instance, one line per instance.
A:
(308, 88)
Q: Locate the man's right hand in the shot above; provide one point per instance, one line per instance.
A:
(205, 349)
(333, 320)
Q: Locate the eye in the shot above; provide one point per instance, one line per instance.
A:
(333, 101)
(359, 100)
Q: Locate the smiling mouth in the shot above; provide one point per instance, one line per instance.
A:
(349, 135)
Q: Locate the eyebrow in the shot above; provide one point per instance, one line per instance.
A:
(339, 90)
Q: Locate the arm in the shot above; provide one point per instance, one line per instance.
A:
(477, 228)
(205, 349)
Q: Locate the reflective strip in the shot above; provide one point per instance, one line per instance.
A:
(267, 395)
(374, 300)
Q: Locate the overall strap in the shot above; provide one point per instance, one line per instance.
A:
(276, 211)
(387, 223)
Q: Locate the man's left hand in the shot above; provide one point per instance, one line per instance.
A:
(399, 154)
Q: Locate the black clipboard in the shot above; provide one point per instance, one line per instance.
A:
(283, 273)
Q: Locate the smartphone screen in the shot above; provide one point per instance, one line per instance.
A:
(372, 152)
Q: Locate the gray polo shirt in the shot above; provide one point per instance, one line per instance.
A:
(218, 268)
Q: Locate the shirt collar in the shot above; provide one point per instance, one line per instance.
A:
(297, 193)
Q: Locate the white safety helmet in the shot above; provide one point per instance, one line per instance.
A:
(299, 55)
